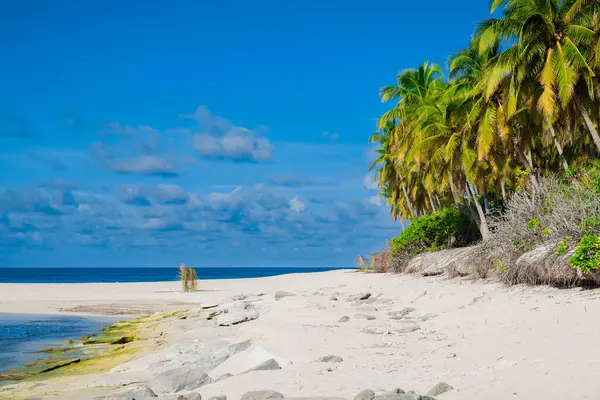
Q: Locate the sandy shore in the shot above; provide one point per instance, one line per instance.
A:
(486, 340)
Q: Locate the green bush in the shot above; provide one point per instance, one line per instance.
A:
(449, 227)
(587, 254)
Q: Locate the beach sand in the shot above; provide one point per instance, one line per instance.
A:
(486, 340)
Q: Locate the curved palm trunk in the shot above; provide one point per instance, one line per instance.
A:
(453, 189)
(483, 226)
(588, 123)
(410, 205)
(527, 165)
(433, 208)
(503, 188)
(559, 148)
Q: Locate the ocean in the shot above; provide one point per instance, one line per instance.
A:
(112, 275)
(22, 335)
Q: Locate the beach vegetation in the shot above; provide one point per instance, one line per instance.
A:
(509, 135)
(188, 278)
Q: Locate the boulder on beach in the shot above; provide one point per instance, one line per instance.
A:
(237, 317)
(440, 388)
(330, 359)
(365, 395)
(269, 365)
(185, 378)
(262, 395)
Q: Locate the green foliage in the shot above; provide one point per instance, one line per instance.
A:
(449, 227)
(563, 246)
(546, 231)
(533, 223)
(589, 225)
(499, 266)
(587, 254)
(518, 244)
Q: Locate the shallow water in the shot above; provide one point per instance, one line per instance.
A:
(22, 335)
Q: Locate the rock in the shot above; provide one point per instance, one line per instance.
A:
(344, 319)
(315, 398)
(236, 317)
(143, 393)
(330, 359)
(239, 347)
(427, 317)
(206, 306)
(366, 309)
(191, 396)
(400, 314)
(183, 317)
(172, 396)
(222, 377)
(333, 298)
(365, 395)
(407, 329)
(359, 297)
(221, 397)
(364, 316)
(239, 297)
(269, 365)
(262, 395)
(397, 391)
(440, 388)
(396, 396)
(140, 393)
(179, 379)
(281, 294)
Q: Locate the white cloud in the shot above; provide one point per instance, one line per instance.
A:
(376, 200)
(297, 205)
(370, 182)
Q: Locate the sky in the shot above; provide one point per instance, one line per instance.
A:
(228, 133)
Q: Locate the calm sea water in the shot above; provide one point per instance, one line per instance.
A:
(22, 335)
(109, 275)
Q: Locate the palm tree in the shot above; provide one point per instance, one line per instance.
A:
(549, 47)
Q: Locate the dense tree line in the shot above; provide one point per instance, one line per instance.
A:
(523, 98)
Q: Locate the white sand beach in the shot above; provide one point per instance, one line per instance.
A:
(486, 340)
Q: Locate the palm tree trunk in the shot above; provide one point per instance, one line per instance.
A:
(453, 189)
(431, 202)
(483, 226)
(486, 204)
(588, 122)
(527, 165)
(410, 206)
(559, 148)
(437, 200)
(503, 188)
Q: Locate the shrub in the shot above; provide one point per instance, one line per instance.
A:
(188, 278)
(562, 210)
(587, 255)
(449, 227)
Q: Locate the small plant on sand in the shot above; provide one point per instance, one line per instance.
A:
(192, 279)
(587, 255)
(188, 278)
(563, 246)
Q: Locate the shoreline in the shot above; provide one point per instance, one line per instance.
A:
(126, 299)
(484, 339)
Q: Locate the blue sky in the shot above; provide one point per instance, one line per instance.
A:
(226, 133)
